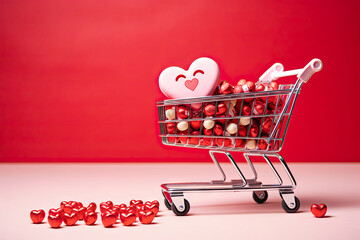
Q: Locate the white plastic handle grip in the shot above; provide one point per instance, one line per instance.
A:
(276, 71)
(312, 67)
(270, 74)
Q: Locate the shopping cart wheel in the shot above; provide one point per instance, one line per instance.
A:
(167, 204)
(184, 212)
(291, 210)
(260, 196)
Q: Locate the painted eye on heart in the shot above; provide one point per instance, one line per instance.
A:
(199, 80)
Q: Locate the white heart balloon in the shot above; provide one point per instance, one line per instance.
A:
(199, 80)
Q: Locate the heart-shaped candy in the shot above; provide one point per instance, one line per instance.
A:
(92, 207)
(90, 218)
(67, 208)
(81, 212)
(199, 80)
(108, 219)
(55, 220)
(128, 218)
(318, 210)
(135, 202)
(70, 218)
(151, 207)
(37, 216)
(54, 211)
(146, 217)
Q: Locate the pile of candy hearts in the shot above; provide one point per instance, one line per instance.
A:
(219, 118)
(71, 212)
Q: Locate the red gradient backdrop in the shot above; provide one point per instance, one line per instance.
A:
(78, 79)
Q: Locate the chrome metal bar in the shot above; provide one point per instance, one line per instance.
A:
(237, 169)
(284, 110)
(211, 152)
(282, 161)
(274, 169)
(287, 169)
(251, 165)
(216, 187)
(226, 97)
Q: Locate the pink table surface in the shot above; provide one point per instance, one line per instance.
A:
(24, 187)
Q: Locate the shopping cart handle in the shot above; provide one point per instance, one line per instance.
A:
(312, 67)
(271, 74)
(276, 71)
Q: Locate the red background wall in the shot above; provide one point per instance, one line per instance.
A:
(78, 79)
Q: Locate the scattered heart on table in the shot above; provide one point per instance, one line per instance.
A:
(318, 210)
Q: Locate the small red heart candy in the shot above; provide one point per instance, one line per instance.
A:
(128, 218)
(74, 204)
(156, 202)
(54, 211)
(136, 202)
(90, 218)
(146, 217)
(110, 203)
(67, 208)
(81, 212)
(151, 207)
(70, 218)
(55, 220)
(92, 207)
(80, 204)
(37, 216)
(108, 219)
(62, 204)
(122, 208)
(132, 209)
(139, 207)
(104, 208)
(318, 210)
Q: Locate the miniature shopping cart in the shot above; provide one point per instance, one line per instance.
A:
(272, 123)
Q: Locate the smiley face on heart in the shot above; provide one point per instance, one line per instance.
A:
(199, 80)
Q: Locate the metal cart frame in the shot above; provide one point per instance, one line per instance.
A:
(174, 192)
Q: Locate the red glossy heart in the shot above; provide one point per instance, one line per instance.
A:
(112, 211)
(122, 208)
(318, 210)
(37, 216)
(104, 208)
(55, 220)
(81, 212)
(62, 204)
(67, 208)
(139, 207)
(156, 202)
(90, 218)
(132, 209)
(109, 203)
(151, 207)
(74, 204)
(92, 207)
(108, 219)
(128, 218)
(135, 202)
(54, 211)
(146, 217)
(80, 204)
(70, 218)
